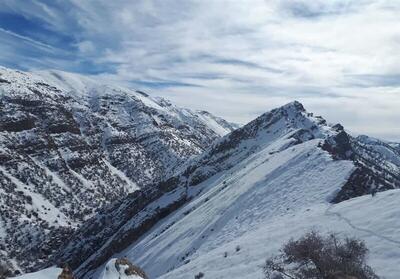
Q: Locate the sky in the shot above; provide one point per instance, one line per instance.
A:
(234, 58)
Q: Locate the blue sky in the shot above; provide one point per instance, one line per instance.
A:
(235, 58)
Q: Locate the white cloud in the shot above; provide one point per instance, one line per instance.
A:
(85, 47)
(341, 58)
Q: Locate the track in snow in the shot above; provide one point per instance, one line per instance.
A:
(328, 212)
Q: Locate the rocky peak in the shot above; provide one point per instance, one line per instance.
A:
(293, 106)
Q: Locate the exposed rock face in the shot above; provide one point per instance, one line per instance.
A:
(117, 227)
(69, 146)
(121, 268)
(66, 273)
(129, 268)
(378, 168)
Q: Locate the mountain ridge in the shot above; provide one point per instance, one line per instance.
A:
(277, 131)
(71, 145)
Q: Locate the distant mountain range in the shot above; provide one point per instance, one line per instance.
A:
(92, 172)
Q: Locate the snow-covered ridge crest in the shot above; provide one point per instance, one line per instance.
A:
(89, 87)
(280, 128)
(285, 166)
(272, 133)
(329, 161)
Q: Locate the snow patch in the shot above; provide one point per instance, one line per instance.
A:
(48, 273)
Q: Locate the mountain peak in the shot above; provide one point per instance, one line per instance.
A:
(295, 105)
(289, 118)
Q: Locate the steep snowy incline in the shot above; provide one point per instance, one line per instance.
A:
(372, 219)
(282, 162)
(48, 273)
(233, 221)
(241, 200)
(70, 145)
(118, 226)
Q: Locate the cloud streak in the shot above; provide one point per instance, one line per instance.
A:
(28, 39)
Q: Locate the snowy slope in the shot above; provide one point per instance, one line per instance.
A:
(240, 201)
(70, 145)
(375, 220)
(260, 204)
(115, 228)
(81, 85)
(48, 273)
(219, 125)
(284, 165)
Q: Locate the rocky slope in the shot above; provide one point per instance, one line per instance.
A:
(377, 167)
(70, 145)
(287, 146)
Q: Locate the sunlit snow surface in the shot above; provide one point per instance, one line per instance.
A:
(375, 220)
(257, 206)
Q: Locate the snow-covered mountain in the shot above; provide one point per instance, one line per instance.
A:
(228, 208)
(70, 145)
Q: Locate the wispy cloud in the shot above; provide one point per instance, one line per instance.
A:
(235, 58)
(29, 40)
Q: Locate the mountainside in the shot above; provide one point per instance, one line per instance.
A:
(70, 145)
(378, 168)
(283, 162)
